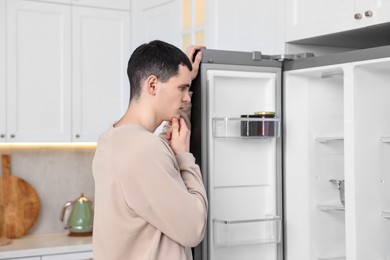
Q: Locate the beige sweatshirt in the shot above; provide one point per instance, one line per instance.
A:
(149, 203)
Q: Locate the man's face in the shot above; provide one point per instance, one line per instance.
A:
(174, 94)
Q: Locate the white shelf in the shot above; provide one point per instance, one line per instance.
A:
(385, 139)
(325, 207)
(332, 258)
(240, 186)
(229, 233)
(325, 139)
(386, 214)
(232, 127)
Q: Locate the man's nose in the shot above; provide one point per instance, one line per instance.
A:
(187, 97)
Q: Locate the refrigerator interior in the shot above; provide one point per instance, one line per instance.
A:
(370, 165)
(336, 127)
(243, 184)
(314, 155)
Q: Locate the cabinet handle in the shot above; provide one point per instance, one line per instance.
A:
(2, 135)
(77, 136)
(368, 13)
(12, 136)
(358, 16)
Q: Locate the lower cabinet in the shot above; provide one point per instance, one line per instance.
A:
(48, 246)
(87, 255)
(27, 258)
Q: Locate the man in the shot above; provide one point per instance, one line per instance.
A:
(150, 202)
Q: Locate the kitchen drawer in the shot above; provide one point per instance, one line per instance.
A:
(27, 258)
(87, 255)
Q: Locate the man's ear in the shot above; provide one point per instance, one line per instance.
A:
(151, 84)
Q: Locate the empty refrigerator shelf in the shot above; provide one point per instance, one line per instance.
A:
(386, 214)
(240, 186)
(325, 207)
(332, 258)
(232, 127)
(385, 139)
(246, 232)
(324, 139)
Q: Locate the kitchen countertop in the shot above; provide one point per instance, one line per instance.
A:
(44, 244)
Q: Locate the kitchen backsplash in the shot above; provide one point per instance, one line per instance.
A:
(58, 174)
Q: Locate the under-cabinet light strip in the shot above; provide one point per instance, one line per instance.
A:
(49, 145)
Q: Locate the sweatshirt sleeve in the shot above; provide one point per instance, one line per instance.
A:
(164, 190)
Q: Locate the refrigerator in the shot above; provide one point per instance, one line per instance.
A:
(294, 152)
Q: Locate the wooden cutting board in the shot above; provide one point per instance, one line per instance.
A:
(19, 203)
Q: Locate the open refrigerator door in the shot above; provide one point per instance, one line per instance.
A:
(241, 161)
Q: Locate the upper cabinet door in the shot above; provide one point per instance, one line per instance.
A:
(3, 98)
(116, 4)
(373, 11)
(38, 69)
(311, 18)
(110, 4)
(156, 19)
(245, 26)
(101, 49)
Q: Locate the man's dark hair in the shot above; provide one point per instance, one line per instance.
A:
(156, 58)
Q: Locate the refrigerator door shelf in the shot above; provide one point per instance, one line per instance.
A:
(230, 127)
(324, 207)
(229, 233)
(325, 139)
(385, 139)
(333, 258)
(386, 214)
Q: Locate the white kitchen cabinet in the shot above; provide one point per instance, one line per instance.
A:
(117, 4)
(250, 25)
(48, 246)
(245, 26)
(66, 71)
(26, 258)
(38, 72)
(156, 20)
(68, 256)
(87, 255)
(3, 82)
(308, 18)
(101, 49)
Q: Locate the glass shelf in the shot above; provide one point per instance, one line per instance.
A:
(386, 214)
(325, 139)
(332, 258)
(325, 207)
(385, 139)
(240, 186)
(231, 127)
(246, 232)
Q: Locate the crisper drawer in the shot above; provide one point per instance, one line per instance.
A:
(246, 232)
